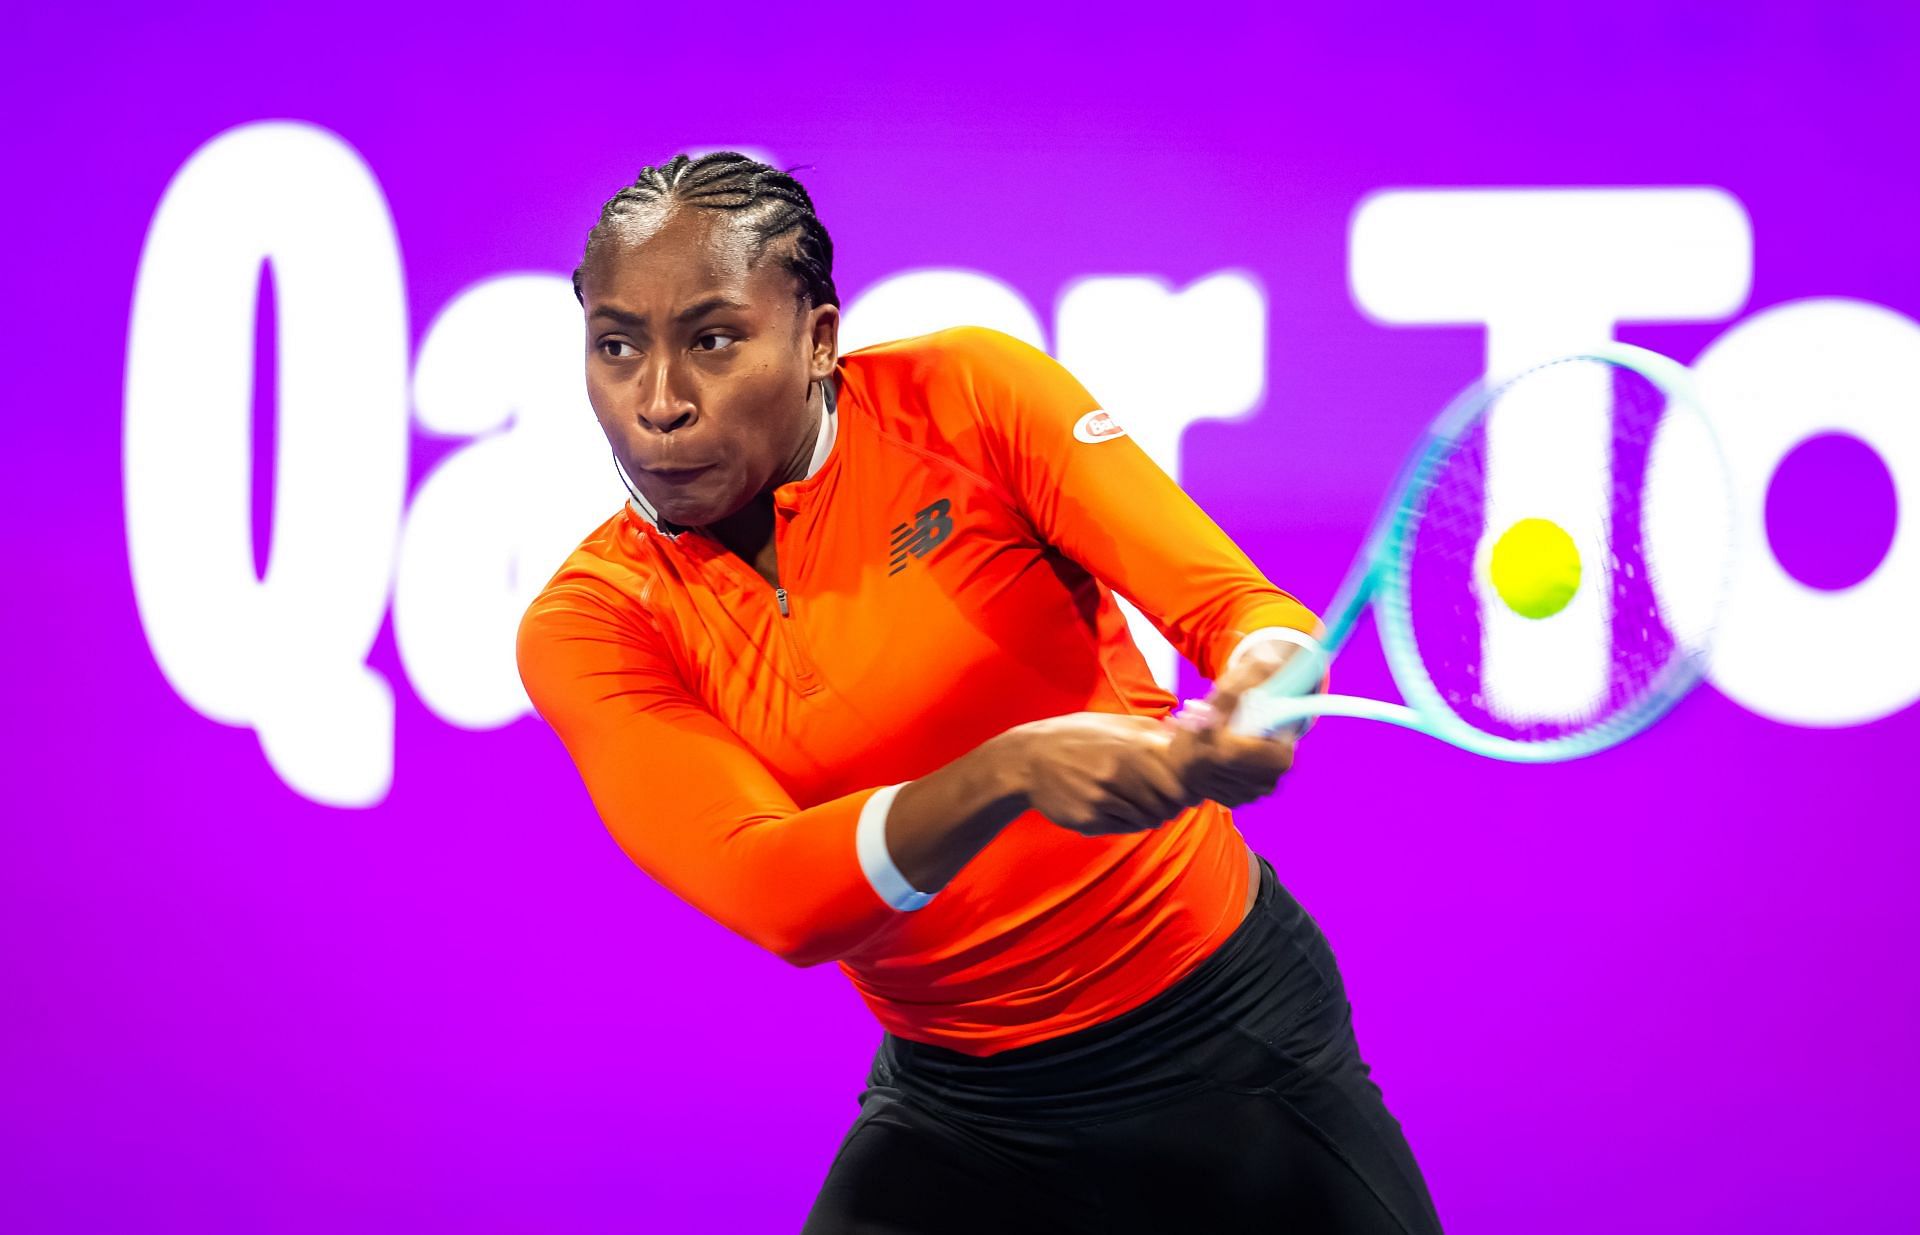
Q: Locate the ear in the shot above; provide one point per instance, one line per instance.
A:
(823, 335)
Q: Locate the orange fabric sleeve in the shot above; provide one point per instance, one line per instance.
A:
(1102, 501)
(684, 798)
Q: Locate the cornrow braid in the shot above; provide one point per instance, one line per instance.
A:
(772, 206)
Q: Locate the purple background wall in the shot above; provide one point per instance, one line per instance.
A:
(1665, 989)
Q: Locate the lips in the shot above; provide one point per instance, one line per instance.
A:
(676, 474)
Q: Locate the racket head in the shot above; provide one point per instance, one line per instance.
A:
(1612, 447)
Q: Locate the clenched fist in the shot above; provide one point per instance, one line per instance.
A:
(1099, 773)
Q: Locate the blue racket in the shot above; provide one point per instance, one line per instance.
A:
(1548, 572)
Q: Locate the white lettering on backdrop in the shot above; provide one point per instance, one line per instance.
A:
(500, 368)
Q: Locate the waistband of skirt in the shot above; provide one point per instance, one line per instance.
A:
(1230, 977)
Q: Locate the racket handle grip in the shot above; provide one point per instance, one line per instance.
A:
(1195, 714)
(1275, 703)
(1265, 717)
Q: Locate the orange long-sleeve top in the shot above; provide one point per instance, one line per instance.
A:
(948, 572)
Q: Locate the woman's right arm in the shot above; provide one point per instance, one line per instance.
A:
(1091, 772)
(698, 811)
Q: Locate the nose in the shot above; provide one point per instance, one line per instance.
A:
(660, 405)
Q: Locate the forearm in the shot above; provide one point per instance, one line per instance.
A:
(787, 879)
(933, 826)
(700, 812)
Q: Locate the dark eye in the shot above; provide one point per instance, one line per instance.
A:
(717, 342)
(607, 343)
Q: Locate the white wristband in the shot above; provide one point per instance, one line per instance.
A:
(1271, 634)
(870, 840)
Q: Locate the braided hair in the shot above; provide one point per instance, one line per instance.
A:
(770, 204)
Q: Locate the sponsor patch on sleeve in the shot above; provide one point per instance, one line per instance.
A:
(1097, 426)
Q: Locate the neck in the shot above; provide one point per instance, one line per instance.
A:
(796, 468)
(748, 532)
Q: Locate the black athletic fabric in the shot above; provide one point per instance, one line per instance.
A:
(1234, 1101)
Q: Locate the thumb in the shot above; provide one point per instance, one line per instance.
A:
(1224, 698)
(1220, 704)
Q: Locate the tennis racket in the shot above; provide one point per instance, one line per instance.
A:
(1548, 571)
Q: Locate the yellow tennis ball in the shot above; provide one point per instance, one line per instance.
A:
(1535, 568)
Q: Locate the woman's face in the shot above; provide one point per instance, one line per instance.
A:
(698, 363)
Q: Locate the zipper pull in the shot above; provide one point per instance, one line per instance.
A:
(780, 595)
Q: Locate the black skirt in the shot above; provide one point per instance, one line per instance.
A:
(1234, 1100)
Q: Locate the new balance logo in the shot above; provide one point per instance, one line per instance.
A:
(917, 539)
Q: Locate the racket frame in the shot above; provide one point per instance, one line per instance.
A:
(1379, 577)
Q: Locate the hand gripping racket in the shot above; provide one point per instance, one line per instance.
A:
(1546, 576)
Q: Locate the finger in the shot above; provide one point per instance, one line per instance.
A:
(1116, 823)
(1207, 768)
(1192, 716)
(1171, 791)
(1243, 792)
(1245, 753)
(1224, 700)
(1168, 782)
(1234, 791)
(1188, 755)
(1220, 704)
(1249, 769)
(1099, 820)
(1258, 666)
(1138, 798)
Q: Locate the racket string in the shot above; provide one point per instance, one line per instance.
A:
(1610, 653)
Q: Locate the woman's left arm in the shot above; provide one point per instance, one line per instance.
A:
(1094, 494)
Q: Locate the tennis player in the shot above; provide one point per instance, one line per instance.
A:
(847, 675)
